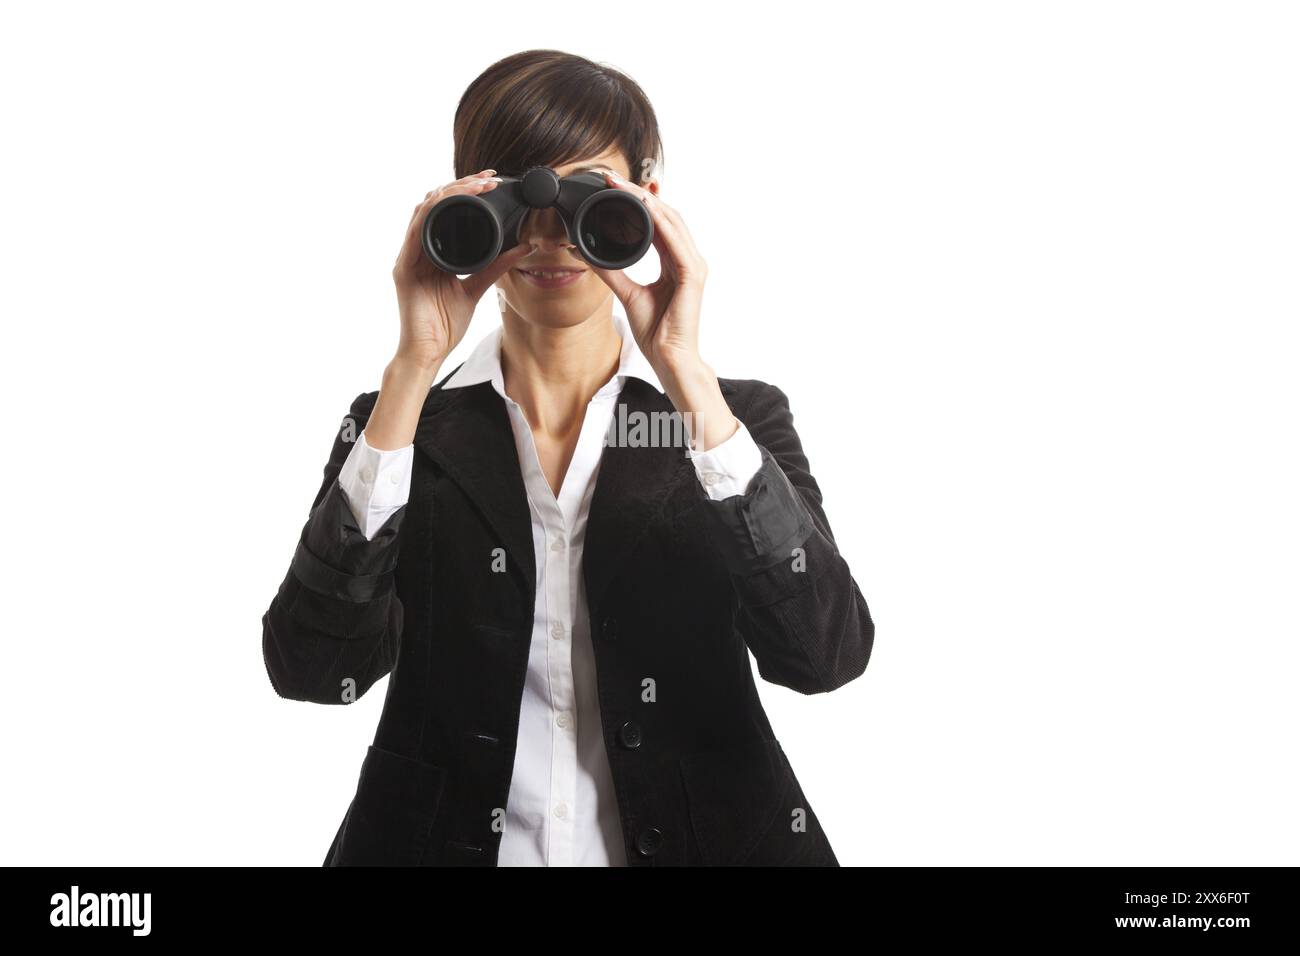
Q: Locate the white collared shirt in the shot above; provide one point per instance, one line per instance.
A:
(561, 809)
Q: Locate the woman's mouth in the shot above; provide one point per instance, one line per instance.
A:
(551, 278)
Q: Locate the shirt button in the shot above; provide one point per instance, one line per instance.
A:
(561, 811)
(557, 544)
(557, 631)
(394, 477)
(712, 477)
(562, 719)
(367, 474)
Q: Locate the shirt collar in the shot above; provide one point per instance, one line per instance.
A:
(484, 363)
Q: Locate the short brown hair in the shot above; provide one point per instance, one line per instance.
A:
(550, 108)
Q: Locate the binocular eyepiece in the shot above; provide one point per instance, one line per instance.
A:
(610, 228)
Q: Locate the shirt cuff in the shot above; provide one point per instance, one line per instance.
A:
(376, 483)
(725, 470)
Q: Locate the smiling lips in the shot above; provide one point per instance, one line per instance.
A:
(551, 278)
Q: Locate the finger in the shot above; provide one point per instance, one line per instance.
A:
(668, 220)
(689, 249)
(420, 205)
(457, 185)
(677, 255)
(479, 282)
(482, 173)
(421, 209)
(472, 186)
(622, 285)
(468, 185)
(647, 197)
(412, 242)
(659, 239)
(677, 252)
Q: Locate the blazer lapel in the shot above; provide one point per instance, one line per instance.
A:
(632, 486)
(467, 431)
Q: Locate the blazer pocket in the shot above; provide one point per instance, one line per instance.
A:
(392, 813)
(735, 798)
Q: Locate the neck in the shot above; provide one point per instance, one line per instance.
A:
(553, 372)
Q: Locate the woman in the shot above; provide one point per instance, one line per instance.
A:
(566, 608)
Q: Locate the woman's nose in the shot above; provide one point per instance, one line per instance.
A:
(545, 229)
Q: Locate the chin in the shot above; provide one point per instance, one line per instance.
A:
(552, 311)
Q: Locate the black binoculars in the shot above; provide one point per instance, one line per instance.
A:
(611, 228)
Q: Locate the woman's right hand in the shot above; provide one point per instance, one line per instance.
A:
(435, 307)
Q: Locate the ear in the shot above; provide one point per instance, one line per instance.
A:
(646, 179)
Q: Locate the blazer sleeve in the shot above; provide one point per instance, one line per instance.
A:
(332, 629)
(799, 609)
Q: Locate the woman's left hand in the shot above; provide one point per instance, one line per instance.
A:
(664, 315)
(665, 320)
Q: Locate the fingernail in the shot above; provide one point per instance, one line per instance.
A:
(487, 172)
(492, 179)
(615, 176)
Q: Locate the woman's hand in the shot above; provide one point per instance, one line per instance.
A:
(665, 320)
(665, 315)
(435, 307)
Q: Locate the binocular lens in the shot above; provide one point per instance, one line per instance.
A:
(463, 235)
(614, 229)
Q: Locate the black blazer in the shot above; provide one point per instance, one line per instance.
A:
(680, 587)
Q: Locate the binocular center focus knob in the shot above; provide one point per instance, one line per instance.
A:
(539, 187)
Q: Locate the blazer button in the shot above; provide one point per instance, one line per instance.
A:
(649, 840)
(629, 735)
(609, 629)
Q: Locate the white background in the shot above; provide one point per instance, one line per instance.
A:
(1027, 272)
